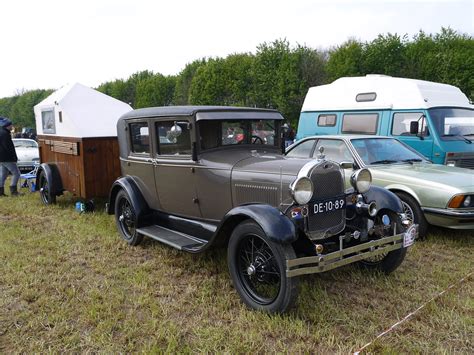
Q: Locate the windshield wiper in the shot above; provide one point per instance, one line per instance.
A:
(458, 136)
(385, 161)
(413, 160)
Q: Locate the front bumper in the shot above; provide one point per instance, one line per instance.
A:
(449, 218)
(345, 256)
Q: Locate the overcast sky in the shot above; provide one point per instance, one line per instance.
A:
(49, 43)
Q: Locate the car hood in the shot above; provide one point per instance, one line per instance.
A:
(27, 153)
(265, 163)
(422, 174)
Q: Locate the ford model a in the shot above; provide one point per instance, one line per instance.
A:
(194, 177)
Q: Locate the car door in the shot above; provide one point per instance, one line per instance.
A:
(139, 163)
(174, 168)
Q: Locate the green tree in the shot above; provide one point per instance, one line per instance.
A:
(345, 60)
(184, 80)
(155, 90)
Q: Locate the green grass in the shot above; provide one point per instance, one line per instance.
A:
(69, 283)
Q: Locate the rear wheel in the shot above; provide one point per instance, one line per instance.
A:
(258, 269)
(387, 262)
(45, 188)
(126, 219)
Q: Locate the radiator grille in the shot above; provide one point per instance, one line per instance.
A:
(328, 182)
(465, 163)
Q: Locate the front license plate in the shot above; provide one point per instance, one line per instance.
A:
(329, 205)
(410, 235)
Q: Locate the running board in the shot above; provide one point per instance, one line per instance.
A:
(175, 239)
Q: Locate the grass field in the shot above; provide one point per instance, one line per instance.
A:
(68, 283)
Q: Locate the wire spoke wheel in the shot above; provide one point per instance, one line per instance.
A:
(45, 190)
(258, 270)
(257, 266)
(126, 219)
(408, 212)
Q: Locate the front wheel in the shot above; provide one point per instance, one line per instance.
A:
(390, 261)
(258, 269)
(126, 219)
(414, 213)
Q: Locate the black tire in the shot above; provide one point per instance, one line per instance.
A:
(258, 269)
(413, 211)
(389, 262)
(126, 219)
(45, 188)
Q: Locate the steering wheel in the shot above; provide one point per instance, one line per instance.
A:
(255, 139)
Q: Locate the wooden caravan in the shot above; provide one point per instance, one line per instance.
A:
(78, 145)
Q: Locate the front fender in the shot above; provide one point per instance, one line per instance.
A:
(137, 200)
(278, 227)
(384, 199)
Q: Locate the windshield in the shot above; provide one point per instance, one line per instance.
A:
(375, 151)
(25, 144)
(453, 123)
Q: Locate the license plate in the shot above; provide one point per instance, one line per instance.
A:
(410, 235)
(328, 206)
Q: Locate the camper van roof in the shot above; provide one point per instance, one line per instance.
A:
(382, 92)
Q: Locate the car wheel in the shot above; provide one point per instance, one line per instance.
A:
(258, 269)
(390, 261)
(414, 213)
(126, 219)
(45, 189)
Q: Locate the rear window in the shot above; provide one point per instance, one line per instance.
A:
(365, 123)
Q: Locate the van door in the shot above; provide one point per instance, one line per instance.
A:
(421, 142)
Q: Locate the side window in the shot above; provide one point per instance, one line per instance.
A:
(334, 149)
(402, 120)
(47, 118)
(170, 141)
(139, 138)
(302, 150)
(325, 120)
(365, 123)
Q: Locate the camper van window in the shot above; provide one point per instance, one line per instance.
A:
(326, 120)
(47, 118)
(366, 97)
(365, 123)
(402, 120)
(139, 138)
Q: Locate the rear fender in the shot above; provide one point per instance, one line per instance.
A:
(137, 200)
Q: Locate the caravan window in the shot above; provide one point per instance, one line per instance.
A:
(47, 118)
(365, 123)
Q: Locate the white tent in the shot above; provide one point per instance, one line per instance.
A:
(79, 111)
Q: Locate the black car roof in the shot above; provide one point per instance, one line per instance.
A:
(205, 112)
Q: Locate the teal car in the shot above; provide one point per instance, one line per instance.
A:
(430, 193)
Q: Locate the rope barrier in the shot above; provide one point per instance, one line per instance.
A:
(411, 314)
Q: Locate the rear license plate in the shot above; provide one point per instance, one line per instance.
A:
(328, 205)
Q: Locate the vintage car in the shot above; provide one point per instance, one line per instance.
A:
(431, 193)
(27, 152)
(186, 184)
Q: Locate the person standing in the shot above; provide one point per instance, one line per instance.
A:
(8, 158)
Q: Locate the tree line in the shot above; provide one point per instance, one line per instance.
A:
(278, 75)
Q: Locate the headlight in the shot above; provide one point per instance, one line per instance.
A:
(361, 180)
(461, 201)
(302, 190)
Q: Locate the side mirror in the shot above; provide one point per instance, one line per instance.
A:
(414, 127)
(347, 165)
